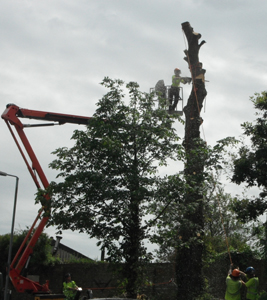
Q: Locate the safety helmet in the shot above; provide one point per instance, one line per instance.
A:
(250, 270)
(235, 273)
(177, 70)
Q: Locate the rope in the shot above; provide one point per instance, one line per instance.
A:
(205, 103)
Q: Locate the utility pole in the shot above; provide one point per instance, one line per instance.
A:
(190, 236)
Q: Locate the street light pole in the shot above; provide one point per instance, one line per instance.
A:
(11, 233)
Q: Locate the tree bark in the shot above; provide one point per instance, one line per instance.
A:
(190, 281)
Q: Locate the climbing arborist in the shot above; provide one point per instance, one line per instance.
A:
(175, 88)
(233, 285)
(252, 283)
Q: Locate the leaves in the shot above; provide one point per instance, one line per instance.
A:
(109, 175)
(170, 207)
(250, 166)
(41, 256)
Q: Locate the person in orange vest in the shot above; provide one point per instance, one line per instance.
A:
(174, 93)
(233, 285)
(252, 283)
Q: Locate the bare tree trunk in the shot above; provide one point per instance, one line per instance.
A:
(190, 237)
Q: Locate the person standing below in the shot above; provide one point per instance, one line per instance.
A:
(70, 288)
(233, 285)
(252, 283)
(174, 93)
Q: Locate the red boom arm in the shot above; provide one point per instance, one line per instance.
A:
(11, 116)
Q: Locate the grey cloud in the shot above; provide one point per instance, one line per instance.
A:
(54, 54)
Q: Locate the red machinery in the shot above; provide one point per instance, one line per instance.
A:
(12, 116)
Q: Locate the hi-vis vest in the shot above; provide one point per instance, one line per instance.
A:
(176, 81)
(70, 294)
(252, 288)
(233, 289)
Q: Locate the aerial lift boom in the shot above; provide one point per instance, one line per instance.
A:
(12, 116)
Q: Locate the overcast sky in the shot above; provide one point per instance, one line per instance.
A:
(55, 53)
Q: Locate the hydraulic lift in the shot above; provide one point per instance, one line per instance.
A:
(12, 116)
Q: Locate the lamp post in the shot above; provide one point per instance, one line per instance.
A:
(11, 233)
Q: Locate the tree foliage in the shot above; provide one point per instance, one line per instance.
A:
(250, 166)
(110, 174)
(219, 218)
(223, 231)
(41, 256)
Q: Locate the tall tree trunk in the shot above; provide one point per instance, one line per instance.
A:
(190, 246)
(132, 249)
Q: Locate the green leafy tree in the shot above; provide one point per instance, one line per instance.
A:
(168, 208)
(109, 175)
(220, 221)
(219, 218)
(250, 165)
(222, 228)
